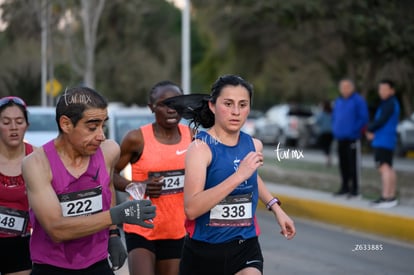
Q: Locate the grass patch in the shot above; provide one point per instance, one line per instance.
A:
(317, 176)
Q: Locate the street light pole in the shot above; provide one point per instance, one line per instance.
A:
(44, 21)
(185, 48)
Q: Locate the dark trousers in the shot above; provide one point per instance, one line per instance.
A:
(349, 165)
(325, 142)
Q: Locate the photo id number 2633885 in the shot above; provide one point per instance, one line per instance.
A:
(367, 247)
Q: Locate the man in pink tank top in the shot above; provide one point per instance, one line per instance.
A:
(70, 193)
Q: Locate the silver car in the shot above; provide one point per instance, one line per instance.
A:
(121, 120)
(285, 124)
(42, 125)
(405, 131)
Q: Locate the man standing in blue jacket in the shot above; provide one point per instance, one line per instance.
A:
(349, 117)
(383, 133)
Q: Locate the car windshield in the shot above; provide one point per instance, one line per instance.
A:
(300, 111)
(123, 124)
(42, 123)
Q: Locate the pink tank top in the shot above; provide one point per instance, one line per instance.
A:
(86, 195)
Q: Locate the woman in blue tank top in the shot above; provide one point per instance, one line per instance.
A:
(222, 187)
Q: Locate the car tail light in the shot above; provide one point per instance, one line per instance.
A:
(293, 123)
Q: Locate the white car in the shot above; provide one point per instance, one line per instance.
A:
(121, 120)
(285, 124)
(42, 125)
(405, 130)
(249, 126)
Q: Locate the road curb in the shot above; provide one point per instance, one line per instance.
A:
(393, 226)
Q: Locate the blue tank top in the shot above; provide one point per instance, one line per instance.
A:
(86, 195)
(234, 217)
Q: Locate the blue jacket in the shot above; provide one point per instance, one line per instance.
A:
(324, 122)
(349, 117)
(385, 124)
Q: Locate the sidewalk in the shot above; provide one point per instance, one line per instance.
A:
(367, 160)
(356, 214)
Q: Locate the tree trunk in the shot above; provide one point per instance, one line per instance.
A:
(368, 80)
(90, 13)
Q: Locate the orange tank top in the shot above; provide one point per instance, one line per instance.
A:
(168, 161)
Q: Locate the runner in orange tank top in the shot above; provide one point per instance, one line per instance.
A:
(157, 154)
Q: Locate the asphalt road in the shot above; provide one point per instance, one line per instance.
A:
(321, 249)
(324, 250)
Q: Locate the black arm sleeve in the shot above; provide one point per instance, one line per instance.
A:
(387, 109)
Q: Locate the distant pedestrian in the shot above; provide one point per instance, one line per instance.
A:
(349, 117)
(383, 134)
(324, 123)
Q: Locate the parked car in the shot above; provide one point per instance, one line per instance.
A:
(405, 131)
(42, 125)
(286, 124)
(267, 131)
(249, 126)
(121, 120)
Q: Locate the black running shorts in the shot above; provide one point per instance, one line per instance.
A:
(163, 249)
(200, 258)
(14, 254)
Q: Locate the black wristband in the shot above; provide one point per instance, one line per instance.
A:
(114, 232)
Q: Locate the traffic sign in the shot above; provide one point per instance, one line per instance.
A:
(53, 87)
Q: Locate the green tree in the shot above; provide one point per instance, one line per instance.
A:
(299, 49)
(139, 46)
(19, 73)
(258, 40)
